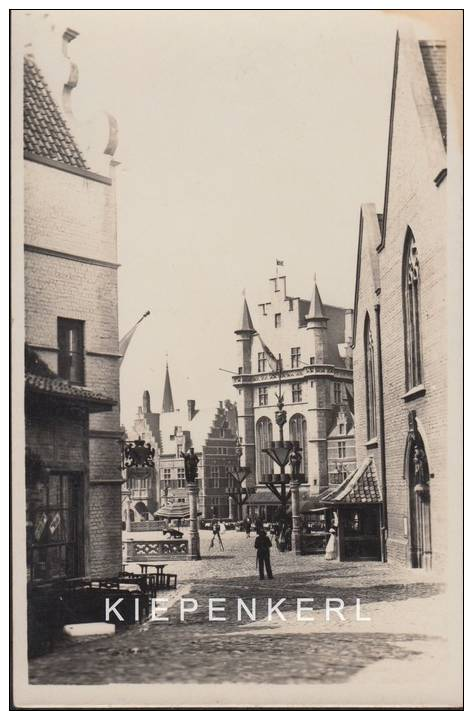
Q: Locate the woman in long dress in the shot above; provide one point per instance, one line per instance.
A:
(331, 549)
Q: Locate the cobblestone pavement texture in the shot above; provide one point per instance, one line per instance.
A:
(402, 605)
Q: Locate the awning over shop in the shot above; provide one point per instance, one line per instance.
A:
(312, 505)
(360, 487)
(61, 389)
(263, 496)
(174, 509)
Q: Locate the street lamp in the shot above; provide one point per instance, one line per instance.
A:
(283, 452)
(137, 462)
(191, 462)
(295, 459)
(279, 452)
(237, 491)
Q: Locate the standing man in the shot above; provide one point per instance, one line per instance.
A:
(259, 524)
(248, 526)
(262, 545)
(216, 534)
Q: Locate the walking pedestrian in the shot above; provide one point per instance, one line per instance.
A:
(331, 550)
(275, 530)
(216, 535)
(263, 558)
(248, 526)
(288, 538)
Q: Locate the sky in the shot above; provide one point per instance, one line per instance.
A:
(244, 137)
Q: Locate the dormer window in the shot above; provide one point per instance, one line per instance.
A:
(261, 362)
(277, 320)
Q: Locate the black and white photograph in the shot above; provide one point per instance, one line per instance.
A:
(236, 358)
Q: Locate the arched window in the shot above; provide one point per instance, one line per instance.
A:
(264, 436)
(298, 433)
(411, 289)
(370, 381)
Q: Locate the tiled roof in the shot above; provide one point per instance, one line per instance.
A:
(45, 130)
(61, 388)
(361, 487)
(434, 55)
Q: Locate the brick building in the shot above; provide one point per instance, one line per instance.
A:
(212, 432)
(71, 324)
(400, 347)
(313, 341)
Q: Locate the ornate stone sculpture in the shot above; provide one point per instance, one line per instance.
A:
(295, 460)
(281, 415)
(137, 454)
(191, 461)
(420, 471)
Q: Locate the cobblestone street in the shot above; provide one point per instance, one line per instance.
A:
(405, 626)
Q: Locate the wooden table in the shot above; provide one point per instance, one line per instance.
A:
(159, 567)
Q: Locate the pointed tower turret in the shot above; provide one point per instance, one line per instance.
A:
(246, 418)
(319, 421)
(316, 310)
(245, 331)
(246, 324)
(168, 404)
(317, 322)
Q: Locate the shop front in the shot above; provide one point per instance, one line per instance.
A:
(353, 511)
(58, 529)
(263, 505)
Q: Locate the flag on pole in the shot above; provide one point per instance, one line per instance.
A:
(279, 263)
(271, 358)
(125, 341)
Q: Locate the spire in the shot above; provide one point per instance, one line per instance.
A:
(246, 323)
(316, 310)
(168, 404)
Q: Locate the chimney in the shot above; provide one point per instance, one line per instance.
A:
(349, 326)
(191, 411)
(146, 402)
(283, 280)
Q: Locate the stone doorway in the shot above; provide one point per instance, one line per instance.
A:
(418, 477)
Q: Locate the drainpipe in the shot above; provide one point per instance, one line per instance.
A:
(382, 440)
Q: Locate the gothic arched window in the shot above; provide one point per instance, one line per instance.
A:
(370, 381)
(411, 289)
(298, 433)
(264, 436)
